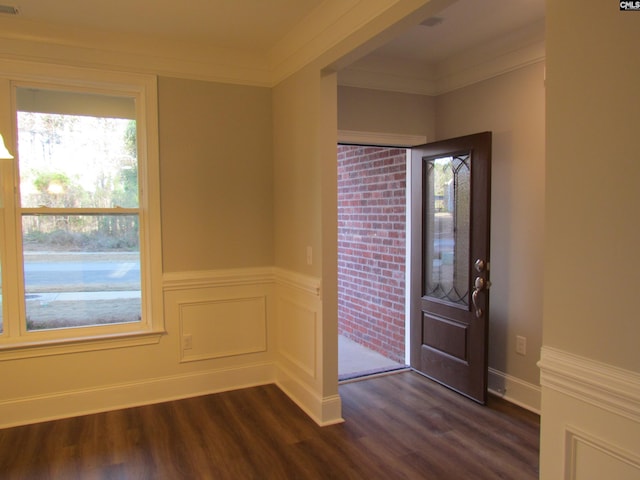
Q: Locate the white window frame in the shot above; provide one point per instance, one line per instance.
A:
(16, 341)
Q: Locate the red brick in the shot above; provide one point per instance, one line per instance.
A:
(371, 247)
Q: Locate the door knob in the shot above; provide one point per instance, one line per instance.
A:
(479, 285)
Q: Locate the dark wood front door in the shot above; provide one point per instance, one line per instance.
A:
(451, 182)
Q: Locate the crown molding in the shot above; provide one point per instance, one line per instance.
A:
(37, 42)
(517, 49)
(334, 34)
(492, 68)
(390, 74)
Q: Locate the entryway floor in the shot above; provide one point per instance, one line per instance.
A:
(355, 360)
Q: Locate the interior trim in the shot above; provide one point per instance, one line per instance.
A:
(605, 386)
(515, 390)
(216, 278)
(103, 398)
(580, 444)
(380, 139)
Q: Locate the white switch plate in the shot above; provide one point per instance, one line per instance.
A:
(521, 345)
(187, 342)
(309, 256)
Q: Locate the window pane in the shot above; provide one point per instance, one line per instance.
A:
(81, 270)
(76, 160)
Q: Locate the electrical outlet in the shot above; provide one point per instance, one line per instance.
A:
(187, 342)
(521, 345)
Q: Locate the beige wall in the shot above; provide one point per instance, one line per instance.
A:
(297, 174)
(590, 366)
(365, 110)
(593, 173)
(512, 107)
(216, 169)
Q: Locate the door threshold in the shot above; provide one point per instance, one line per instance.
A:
(378, 372)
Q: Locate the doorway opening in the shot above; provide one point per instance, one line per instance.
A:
(372, 259)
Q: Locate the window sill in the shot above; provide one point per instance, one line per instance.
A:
(43, 348)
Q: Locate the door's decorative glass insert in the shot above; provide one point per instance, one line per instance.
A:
(446, 233)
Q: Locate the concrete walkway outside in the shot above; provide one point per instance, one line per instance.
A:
(355, 360)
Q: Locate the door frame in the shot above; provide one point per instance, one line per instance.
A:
(391, 140)
(381, 139)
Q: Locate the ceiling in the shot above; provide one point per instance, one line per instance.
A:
(237, 24)
(462, 25)
(260, 26)
(465, 42)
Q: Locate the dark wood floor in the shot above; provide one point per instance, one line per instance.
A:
(397, 426)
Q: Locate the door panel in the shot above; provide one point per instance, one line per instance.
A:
(444, 335)
(450, 258)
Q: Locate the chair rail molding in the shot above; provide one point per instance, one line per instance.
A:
(604, 386)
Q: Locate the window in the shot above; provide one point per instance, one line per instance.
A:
(80, 251)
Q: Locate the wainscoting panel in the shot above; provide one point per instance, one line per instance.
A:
(590, 424)
(299, 352)
(223, 328)
(297, 335)
(589, 458)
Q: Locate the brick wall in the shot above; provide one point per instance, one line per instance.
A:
(371, 247)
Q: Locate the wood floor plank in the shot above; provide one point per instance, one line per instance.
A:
(400, 426)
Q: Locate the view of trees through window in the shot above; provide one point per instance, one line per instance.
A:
(80, 220)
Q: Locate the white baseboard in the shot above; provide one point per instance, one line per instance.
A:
(67, 404)
(322, 410)
(300, 356)
(515, 390)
